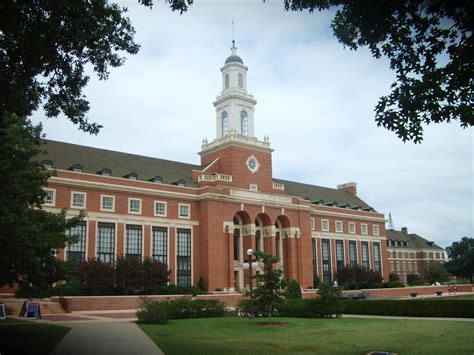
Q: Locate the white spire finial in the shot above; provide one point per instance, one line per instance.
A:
(233, 48)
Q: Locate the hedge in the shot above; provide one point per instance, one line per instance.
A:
(413, 308)
(160, 312)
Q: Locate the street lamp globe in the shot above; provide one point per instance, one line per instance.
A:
(246, 266)
(250, 252)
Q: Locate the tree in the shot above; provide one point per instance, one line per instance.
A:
(461, 255)
(268, 293)
(429, 45)
(44, 49)
(434, 271)
(96, 277)
(292, 290)
(129, 274)
(29, 236)
(155, 275)
(355, 277)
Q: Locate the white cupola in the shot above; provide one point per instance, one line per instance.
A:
(234, 106)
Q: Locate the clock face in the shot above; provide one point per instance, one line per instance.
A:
(253, 164)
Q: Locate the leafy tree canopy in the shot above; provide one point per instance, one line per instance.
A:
(435, 271)
(461, 255)
(430, 47)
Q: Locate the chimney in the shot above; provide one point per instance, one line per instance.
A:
(350, 187)
(405, 230)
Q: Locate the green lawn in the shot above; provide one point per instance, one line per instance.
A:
(236, 335)
(28, 337)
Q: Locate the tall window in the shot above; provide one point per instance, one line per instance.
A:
(339, 254)
(226, 79)
(377, 263)
(365, 255)
(160, 245)
(315, 258)
(258, 240)
(236, 244)
(225, 123)
(244, 123)
(106, 242)
(278, 249)
(133, 241)
(326, 251)
(352, 253)
(241, 80)
(183, 256)
(77, 250)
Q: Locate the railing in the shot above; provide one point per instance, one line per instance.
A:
(278, 186)
(215, 177)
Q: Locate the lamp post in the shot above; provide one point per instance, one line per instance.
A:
(250, 264)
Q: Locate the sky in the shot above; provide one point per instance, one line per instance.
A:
(315, 100)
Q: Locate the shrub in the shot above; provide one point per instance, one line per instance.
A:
(153, 313)
(160, 312)
(392, 284)
(247, 307)
(178, 290)
(413, 308)
(67, 289)
(355, 277)
(202, 284)
(32, 292)
(393, 277)
(129, 274)
(97, 277)
(293, 290)
(316, 281)
(155, 275)
(308, 308)
(414, 280)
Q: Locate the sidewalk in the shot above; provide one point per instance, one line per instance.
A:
(101, 335)
(445, 319)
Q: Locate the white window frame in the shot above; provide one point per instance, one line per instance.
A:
(325, 222)
(78, 193)
(339, 230)
(102, 203)
(363, 226)
(130, 199)
(179, 210)
(313, 224)
(154, 208)
(53, 202)
(253, 187)
(352, 227)
(375, 229)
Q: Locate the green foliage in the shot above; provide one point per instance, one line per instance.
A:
(356, 277)
(392, 284)
(412, 308)
(429, 46)
(29, 237)
(461, 255)
(68, 289)
(292, 290)
(308, 308)
(97, 277)
(160, 312)
(202, 284)
(32, 292)
(414, 280)
(178, 290)
(64, 36)
(268, 293)
(316, 280)
(434, 271)
(393, 277)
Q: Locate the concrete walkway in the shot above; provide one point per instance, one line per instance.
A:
(105, 337)
(444, 319)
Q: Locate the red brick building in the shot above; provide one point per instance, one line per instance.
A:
(201, 219)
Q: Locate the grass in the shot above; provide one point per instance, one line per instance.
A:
(236, 335)
(28, 337)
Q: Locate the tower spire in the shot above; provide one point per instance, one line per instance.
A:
(390, 222)
(233, 48)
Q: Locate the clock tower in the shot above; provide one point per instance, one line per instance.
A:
(236, 156)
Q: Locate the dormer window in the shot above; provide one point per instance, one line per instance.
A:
(105, 172)
(77, 168)
(47, 164)
(157, 179)
(131, 176)
(179, 183)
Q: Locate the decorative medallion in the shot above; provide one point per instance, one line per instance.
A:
(253, 164)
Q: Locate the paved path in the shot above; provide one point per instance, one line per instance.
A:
(411, 318)
(102, 336)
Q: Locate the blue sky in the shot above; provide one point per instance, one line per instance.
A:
(315, 100)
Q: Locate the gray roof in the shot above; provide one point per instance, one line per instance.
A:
(325, 195)
(415, 241)
(65, 155)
